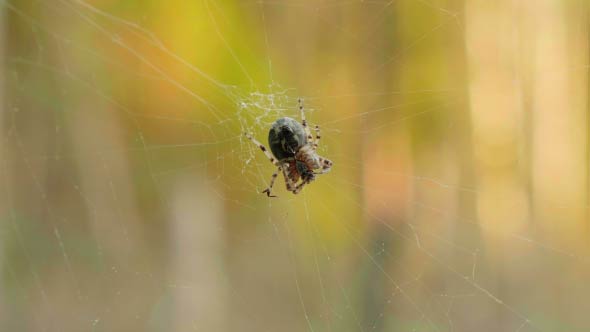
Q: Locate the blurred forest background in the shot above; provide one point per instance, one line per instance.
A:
(458, 200)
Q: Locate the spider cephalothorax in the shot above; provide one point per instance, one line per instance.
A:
(294, 152)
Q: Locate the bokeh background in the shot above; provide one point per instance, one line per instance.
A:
(458, 201)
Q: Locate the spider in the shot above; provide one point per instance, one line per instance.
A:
(293, 152)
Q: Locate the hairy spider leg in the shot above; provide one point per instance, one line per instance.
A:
(268, 190)
(326, 166)
(263, 148)
(304, 121)
(290, 184)
(317, 137)
(299, 187)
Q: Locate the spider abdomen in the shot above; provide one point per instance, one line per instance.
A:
(285, 137)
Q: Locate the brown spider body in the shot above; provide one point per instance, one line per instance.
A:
(305, 162)
(294, 152)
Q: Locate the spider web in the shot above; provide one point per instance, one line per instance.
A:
(131, 200)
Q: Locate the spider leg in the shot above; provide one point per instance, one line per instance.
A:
(317, 137)
(288, 181)
(263, 148)
(272, 182)
(326, 166)
(304, 121)
(298, 188)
